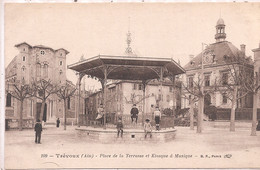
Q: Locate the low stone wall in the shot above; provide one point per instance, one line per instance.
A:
(14, 123)
(129, 135)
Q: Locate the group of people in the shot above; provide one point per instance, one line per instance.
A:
(147, 125)
(134, 117)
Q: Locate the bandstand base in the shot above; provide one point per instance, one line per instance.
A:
(129, 136)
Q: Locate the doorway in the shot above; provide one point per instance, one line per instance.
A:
(39, 111)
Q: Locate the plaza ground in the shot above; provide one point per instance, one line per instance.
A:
(214, 147)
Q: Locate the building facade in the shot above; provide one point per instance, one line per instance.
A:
(215, 70)
(123, 94)
(257, 69)
(34, 63)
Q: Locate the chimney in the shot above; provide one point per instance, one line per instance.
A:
(191, 56)
(243, 48)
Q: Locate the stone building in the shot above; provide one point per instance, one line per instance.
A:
(257, 68)
(34, 63)
(122, 94)
(215, 68)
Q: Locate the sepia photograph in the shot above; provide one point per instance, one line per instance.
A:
(131, 85)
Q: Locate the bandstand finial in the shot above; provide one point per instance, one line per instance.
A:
(128, 40)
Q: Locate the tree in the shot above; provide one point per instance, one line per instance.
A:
(65, 92)
(21, 92)
(231, 83)
(252, 85)
(42, 90)
(135, 99)
(194, 92)
(192, 99)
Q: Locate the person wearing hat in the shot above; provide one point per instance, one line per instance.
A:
(147, 128)
(38, 131)
(119, 127)
(134, 113)
(58, 123)
(157, 117)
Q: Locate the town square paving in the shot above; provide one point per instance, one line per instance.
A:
(214, 147)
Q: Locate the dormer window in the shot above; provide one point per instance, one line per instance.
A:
(42, 52)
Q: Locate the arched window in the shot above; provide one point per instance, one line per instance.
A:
(23, 58)
(8, 100)
(60, 72)
(23, 68)
(68, 102)
(45, 70)
(38, 69)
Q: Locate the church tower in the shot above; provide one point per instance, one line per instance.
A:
(220, 31)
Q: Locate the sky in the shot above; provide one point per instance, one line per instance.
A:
(168, 30)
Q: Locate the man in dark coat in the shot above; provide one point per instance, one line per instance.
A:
(58, 122)
(38, 131)
(134, 113)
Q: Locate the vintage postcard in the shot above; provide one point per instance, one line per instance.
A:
(131, 85)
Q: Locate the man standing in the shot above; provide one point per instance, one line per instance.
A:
(58, 122)
(134, 113)
(157, 117)
(38, 131)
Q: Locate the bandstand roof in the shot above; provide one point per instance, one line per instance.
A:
(127, 67)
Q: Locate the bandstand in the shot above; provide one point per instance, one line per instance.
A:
(104, 67)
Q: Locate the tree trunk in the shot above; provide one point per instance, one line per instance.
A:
(65, 113)
(42, 110)
(233, 110)
(192, 115)
(254, 117)
(200, 114)
(21, 116)
(78, 113)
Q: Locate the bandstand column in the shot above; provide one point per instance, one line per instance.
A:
(105, 96)
(161, 81)
(173, 97)
(79, 84)
(144, 87)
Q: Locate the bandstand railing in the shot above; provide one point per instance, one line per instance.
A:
(112, 118)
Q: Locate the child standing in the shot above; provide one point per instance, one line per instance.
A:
(119, 127)
(147, 128)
